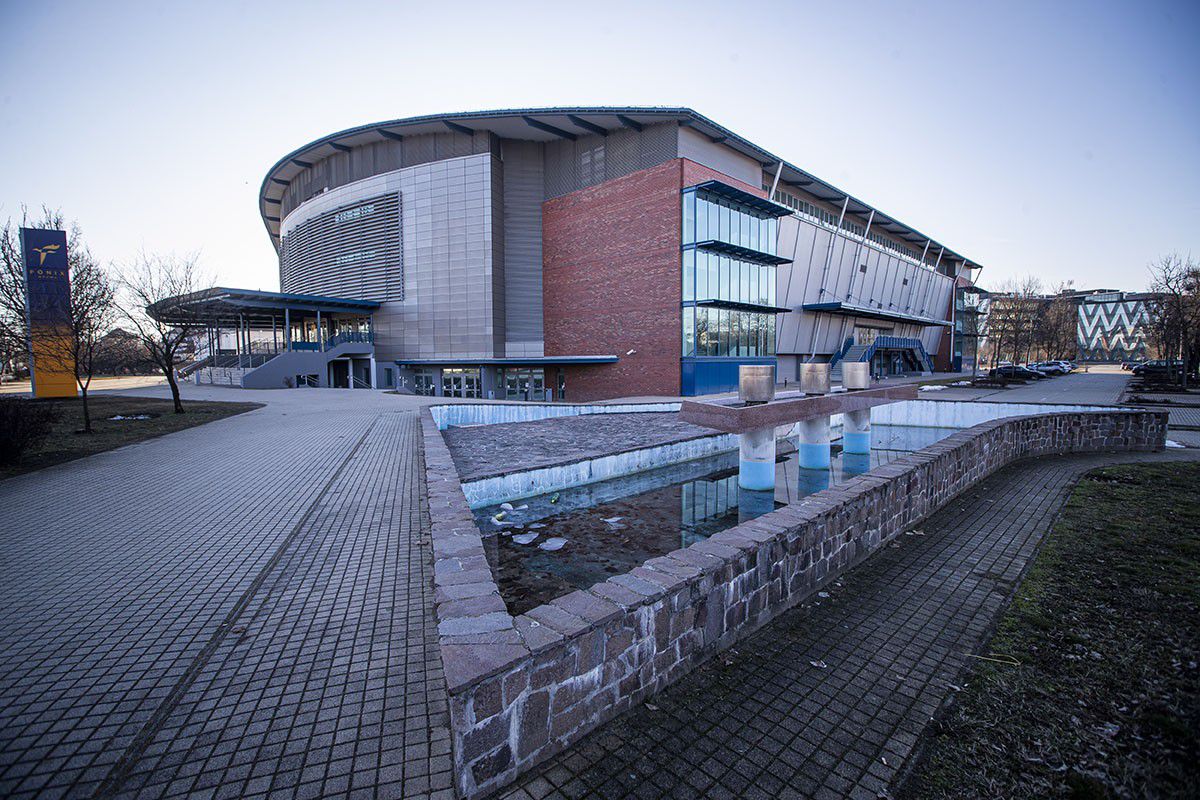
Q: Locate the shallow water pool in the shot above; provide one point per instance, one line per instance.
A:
(605, 529)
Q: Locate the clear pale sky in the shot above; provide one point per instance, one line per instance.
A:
(1055, 138)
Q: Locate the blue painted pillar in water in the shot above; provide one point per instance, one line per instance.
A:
(813, 447)
(756, 465)
(856, 431)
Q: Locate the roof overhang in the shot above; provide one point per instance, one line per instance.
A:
(552, 124)
(221, 303)
(866, 312)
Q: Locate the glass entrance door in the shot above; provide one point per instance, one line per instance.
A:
(460, 383)
(524, 384)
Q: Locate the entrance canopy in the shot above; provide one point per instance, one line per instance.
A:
(224, 306)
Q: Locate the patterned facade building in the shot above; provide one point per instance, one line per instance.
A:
(1113, 326)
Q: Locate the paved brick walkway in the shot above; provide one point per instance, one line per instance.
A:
(482, 451)
(226, 611)
(830, 700)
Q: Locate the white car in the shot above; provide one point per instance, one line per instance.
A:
(1053, 367)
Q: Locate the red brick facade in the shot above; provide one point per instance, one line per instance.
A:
(611, 279)
(611, 283)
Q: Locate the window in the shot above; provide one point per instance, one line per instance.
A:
(591, 165)
(423, 383)
(689, 218)
(689, 331)
(689, 274)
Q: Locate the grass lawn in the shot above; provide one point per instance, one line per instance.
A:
(65, 443)
(1106, 629)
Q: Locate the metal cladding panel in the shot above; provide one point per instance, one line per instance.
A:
(522, 228)
(445, 272)
(353, 250)
(449, 307)
(697, 147)
(831, 268)
(499, 271)
(591, 160)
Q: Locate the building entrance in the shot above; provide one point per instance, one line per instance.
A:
(460, 383)
(524, 384)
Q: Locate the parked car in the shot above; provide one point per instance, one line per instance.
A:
(1068, 365)
(1131, 364)
(1047, 368)
(1012, 371)
(1159, 369)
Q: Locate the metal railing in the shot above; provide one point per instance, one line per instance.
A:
(342, 337)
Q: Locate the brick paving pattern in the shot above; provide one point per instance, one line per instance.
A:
(830, 700)
(483, 451)
(228, 610)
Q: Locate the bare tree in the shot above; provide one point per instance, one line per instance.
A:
(1058, 325)
(1175, 312)
(1012, 318)
(146, 284)
(93, 312)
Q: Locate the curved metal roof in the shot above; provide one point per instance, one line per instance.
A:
(552, 124)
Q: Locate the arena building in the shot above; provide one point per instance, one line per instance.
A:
(576, 253)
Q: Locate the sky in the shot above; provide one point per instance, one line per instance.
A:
(1058, 139)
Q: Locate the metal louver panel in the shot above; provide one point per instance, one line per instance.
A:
(352, 251)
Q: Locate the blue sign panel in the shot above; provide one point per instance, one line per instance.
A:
(48, 310)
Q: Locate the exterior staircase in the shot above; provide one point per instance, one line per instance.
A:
(855, 353)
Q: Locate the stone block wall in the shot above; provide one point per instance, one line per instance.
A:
(522, 688)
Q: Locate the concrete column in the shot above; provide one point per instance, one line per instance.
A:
(856, 431)
(813, 446)
(756, 467)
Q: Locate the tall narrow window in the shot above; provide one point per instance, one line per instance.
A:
(689, 217)
(689, 331)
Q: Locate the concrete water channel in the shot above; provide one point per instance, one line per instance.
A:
(581, 585)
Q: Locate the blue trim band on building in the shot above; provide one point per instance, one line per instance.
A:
(713, 374)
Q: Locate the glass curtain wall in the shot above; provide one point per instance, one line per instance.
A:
(717, 219)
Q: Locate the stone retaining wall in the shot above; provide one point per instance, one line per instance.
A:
(522, 688)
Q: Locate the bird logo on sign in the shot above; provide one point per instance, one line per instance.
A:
(44, 251)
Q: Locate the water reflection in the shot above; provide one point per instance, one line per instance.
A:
(614, 526)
